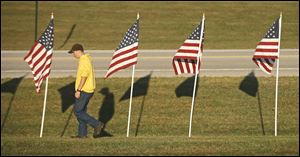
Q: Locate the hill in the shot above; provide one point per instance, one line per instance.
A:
(163, 25)
(232, 116)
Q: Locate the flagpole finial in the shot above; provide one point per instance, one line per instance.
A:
(138, 15)
(52, 16)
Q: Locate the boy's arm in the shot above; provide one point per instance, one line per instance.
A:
(82, 82)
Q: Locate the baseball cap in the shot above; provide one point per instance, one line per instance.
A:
(76, 47)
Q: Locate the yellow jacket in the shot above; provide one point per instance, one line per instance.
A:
(86, 69)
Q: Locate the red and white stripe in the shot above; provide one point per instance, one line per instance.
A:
(185, 60)
(189, 49)
(39, 60)
(265, 54)
(267, 48)
(265, 64)
(123, 58)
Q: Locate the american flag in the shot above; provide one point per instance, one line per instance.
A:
(39, 57)
(267, 49)
(185, 60)
(127, 51)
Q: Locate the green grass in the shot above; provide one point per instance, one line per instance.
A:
(200, 145)
(226, 120)
(163, 25)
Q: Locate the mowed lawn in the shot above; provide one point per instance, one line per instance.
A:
(227, 120)
(163, 25)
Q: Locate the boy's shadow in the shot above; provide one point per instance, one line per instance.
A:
(107, 110)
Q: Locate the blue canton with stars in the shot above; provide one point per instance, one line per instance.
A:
(196, 33)
(48, 36)
(131, 36)
(273, 32)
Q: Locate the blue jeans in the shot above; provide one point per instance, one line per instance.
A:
(80, 108)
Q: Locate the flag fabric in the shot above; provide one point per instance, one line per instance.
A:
(185, 59)
(39, 57)
(127, 51)
(267, 49)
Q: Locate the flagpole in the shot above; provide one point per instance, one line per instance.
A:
(45, 100)
(277, 73)
(131, 91)
(36, 20)
(130, 101)
(194, 91)
(44, 108)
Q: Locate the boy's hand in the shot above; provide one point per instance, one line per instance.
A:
(77, 94)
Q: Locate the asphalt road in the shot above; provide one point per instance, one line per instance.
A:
(214, 63)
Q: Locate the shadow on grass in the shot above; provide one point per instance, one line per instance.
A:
(140, 88)
(186, 87)
(68, 37)
(107, 110)
(10, 86)
(67, 99)
(250, 86)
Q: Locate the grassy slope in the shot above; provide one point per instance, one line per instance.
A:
(164, 25)
(226, 120)
(203, 145)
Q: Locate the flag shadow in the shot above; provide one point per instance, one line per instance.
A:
(67, 100)
(140, 88)
(250, 86)
(10, 86)
(68, 37)
(186, 87)
(107, 110)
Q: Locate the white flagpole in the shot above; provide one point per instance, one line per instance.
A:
(44, 108)
(131, 91)
(194, 91)
(45, 100)
(277, 73)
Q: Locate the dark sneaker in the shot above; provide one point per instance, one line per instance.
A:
(78, 136)
(98, 129)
